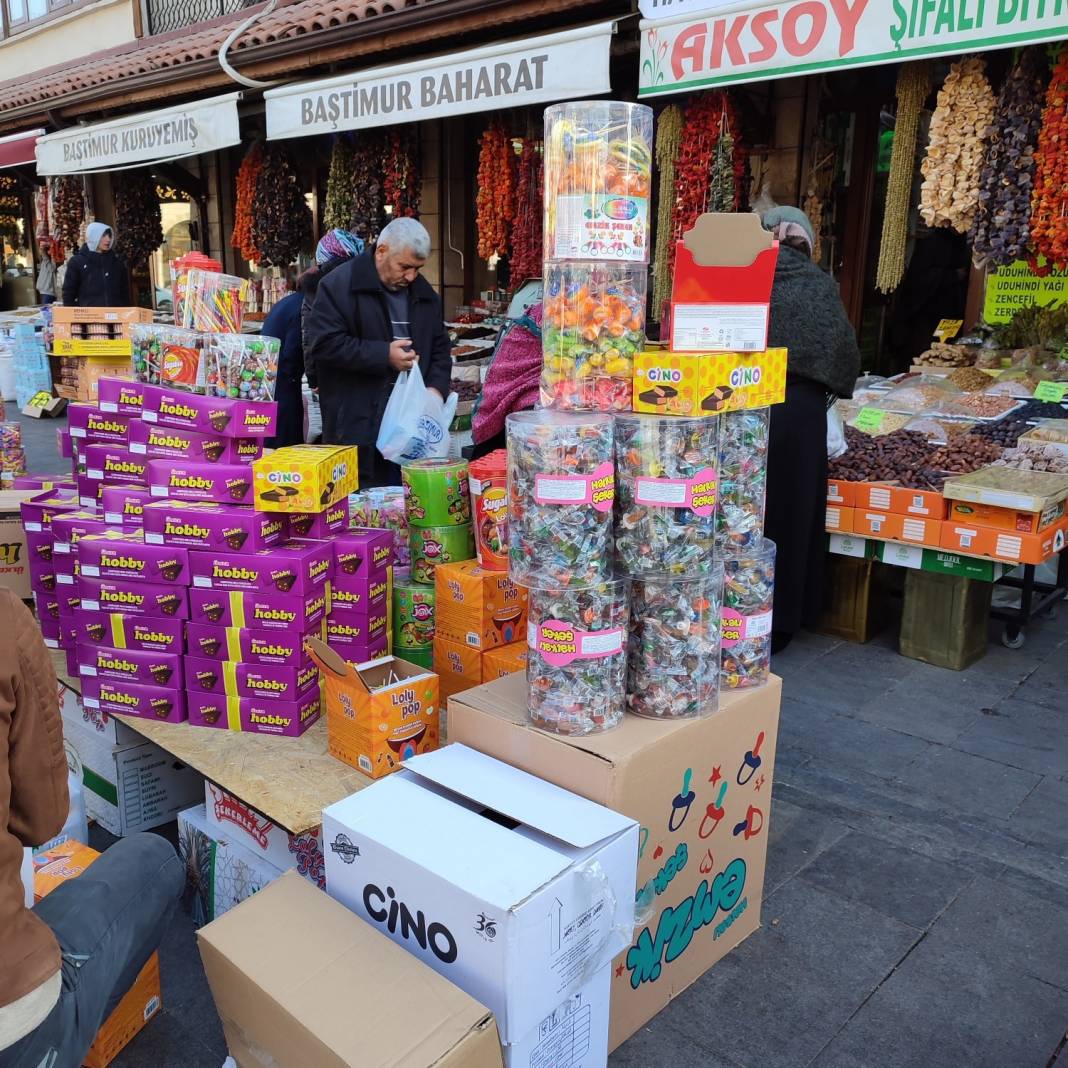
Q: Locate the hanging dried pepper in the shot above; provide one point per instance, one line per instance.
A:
(367, 197)
(340, 195)
(68, 211)
(1049, 212)
(668, 137)
(247, 176)
(527, 215)
(495, 201)
(401, 181)
(138, 219)
(281, 219)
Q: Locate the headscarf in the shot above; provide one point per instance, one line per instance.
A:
(94, 232)
(786, 223)
(338, 244)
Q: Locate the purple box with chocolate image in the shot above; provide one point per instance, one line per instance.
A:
(120, 395)
(297, 567)
(165, 704)
(215, 642)
(361, 553)
(119, 554)
(366, 602)
(38, 512)
(67, 569)
(68, 529)
(166, 443)
(160, 634)
(355, 637)
(130, 665)
(204, 525)
(258, 610)
(266, 682)
(90, 492)
(209, 415)
(188, 481)
(124, 504)
(134, 597)
(90, 425)
(47, 605)
(41, 547)
(320, 525)
(114, 464)
(253, 716)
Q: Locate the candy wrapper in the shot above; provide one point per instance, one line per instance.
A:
(561, 488)
(241, 365)
(382, 508)
(167, 355)
(748, 589)
(665, 515)
(743, 475)
(213, 302)
(592, 328)
(673, 649)
(577, 668)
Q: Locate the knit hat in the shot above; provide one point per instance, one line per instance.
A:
(787, 222)
(337, 244)
(94, 232)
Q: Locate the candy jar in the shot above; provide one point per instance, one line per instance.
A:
(561, 487)
(577, 663)
(673, 649)
(436, 492)
(743, 475)
(241, 366)
(665, 514)
(382, 507)
(748, 589)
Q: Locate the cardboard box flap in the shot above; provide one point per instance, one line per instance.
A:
(529, 800)
(722, 239)
(369, 676)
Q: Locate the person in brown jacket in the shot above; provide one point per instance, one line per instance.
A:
(67, 962)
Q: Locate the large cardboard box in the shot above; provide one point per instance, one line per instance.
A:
(514, 889)
(14, 565)
(700, 790)
(300, 981)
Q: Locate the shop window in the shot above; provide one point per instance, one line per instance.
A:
(22, 14)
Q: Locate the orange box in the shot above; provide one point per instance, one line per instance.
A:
(929, 504)
(973, 539)
(840, 492)
(504, 661)
(872, 524)
(477, 607)
(56, 865)
(875, 496)
(379, 714)
(839, 520)
(989, 515)
(459, 667)
(915, 530)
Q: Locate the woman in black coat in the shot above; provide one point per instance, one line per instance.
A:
(96, 277)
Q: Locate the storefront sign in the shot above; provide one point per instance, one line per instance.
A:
(151, 137)
(777, 40)
(1014, 287)
(512, 74)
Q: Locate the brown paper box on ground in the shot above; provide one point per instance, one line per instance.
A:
(299, 981)
(14, 567)
(701, 790)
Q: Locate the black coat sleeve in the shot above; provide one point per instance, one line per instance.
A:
(305, 341)
(439, 372)
(331, 341)
(123, 287)
(72, 280)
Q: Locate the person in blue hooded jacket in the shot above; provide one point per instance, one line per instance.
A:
(96, 277)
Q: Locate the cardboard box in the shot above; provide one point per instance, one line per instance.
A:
(14, 563)
(503, 661)
(372, 724)
(721, 290)
(840, 492)
(286, 719)
(93, 347)
(839, 519)
(874, 496)
(63, 317)
(701, 791)
(477, 607)
(1048, 488)
(458, 667)
(913, 530)
(332, 992)
(974, 540)
(928, 504)
(120, 394)
(305, 478)
(989, 515)
(504, 907)
(872, 524)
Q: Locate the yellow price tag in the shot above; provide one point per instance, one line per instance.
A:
(948, 329)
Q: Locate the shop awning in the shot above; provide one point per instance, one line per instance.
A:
(537, 70)
(747, 41)
(140, 140)
(17, 149)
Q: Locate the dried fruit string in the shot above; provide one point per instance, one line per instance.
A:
(340, 196)
(668, 139)
(495, 204)
(526, 252)
(1049, 213)
(247, 176)
(138, 219)
(281, 219)
(400, 184)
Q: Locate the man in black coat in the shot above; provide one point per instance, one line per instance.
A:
(374, 317)
(96, 277)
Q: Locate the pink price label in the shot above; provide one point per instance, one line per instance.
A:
(560, 643)
(597, 488)
(735, 627)
(697, 493)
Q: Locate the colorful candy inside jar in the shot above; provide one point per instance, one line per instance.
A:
(743, 476)
(242, 367)
(748, 592)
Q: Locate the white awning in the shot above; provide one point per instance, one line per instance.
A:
(140, 140)
(559, 66)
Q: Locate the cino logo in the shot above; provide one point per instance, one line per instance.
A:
(436, 936)
(664, 374)
(344, 847)
(745, 376)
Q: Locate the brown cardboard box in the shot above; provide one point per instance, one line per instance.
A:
(704, 811)
(14, 567)
(299, 980)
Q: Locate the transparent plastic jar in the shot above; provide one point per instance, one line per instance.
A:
(743, 479)
(748, 596)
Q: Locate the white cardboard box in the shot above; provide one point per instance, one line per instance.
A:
(516, 890)
(233, 819)
(94, 720)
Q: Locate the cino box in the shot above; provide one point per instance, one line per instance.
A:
(186, 481)
(118, 555)
(305, 478)
(373, 723)
(134, 598)
(130, 665)
(302, 568)
(117, 698)
(166, 443)
(151, 633)
(477, 607)
(209, 415)
(113, 464)
(701, 787)
(553, 880)
(91, 425)
(203, 525)
(258, 610)
(288, 719)
(213, 642)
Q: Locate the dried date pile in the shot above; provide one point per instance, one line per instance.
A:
(899, 456)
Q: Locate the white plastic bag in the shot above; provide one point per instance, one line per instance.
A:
(415, 424)
(836, 442)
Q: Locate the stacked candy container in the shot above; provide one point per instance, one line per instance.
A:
(212, 302)
(673, 659)
(665, 516)
(413, 619)
(241, 366)
(382, 507)
(438, 507)
(748, 589)
(743, 471)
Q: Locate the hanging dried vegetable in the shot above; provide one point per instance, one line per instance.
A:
(1001, 232)
(248, 175)
(721, 195)
(281, 219)
(340, 195)
(495, 202)
(138, 219)
(400, 184)
(367, 197)
(1049, 213)
(68, 211)
(913, 85)
(956, 146)
(818, 190)
(526, 254)
(668, 139)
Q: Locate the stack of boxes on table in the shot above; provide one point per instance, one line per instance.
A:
(89, 344)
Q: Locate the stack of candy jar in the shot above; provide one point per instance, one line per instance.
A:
(673, 658)
(598, 176)
(743, 469)
(382, 508)
(414, 611)
(665, 515)
(438, 505)
(748, 589)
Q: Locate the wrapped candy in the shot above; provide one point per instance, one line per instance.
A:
(168, 355)
(577, 663)
(743, 475)
(241, 365)
(665, 516)
(382, 508)
(593, 325)
(213, 302)
(748, 589)
(561, 487)
(673, 651)
(10, 436)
